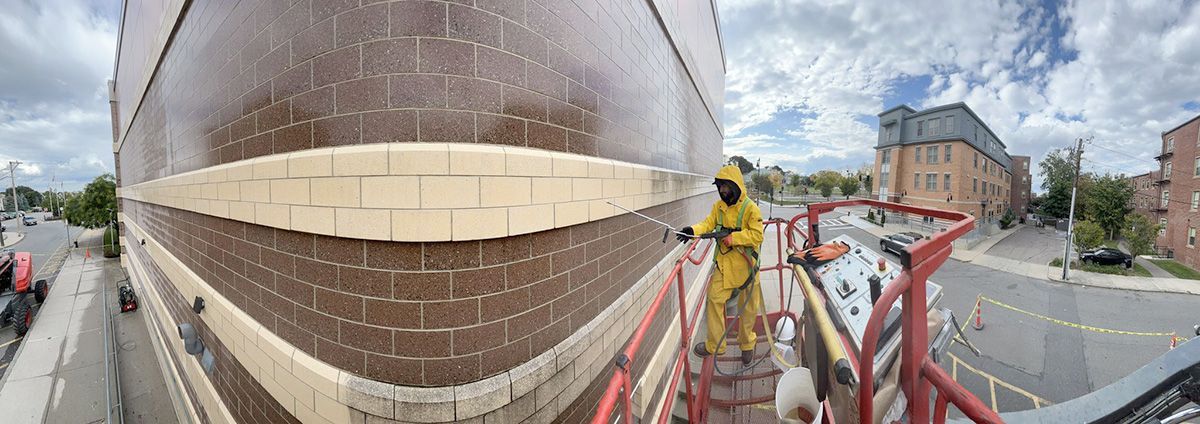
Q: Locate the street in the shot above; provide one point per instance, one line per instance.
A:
(1050, 342)
(47, 244)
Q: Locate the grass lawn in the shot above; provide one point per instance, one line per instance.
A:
(1177, 269)
(1139, 271)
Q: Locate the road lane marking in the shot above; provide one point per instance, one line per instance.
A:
(10, 342)
(993, 380)
(1077, 325)
(992, 386)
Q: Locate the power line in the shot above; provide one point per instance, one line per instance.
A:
(1119, 153)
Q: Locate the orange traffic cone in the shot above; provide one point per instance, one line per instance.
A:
(87, 253)
(1174, 341)
(978, 325)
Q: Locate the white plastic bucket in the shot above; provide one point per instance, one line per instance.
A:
(796, 389)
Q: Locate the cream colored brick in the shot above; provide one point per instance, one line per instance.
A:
(641, 172)
(551, 190)
(313, 219)
(241, 171)
(586, 188)
(208, 191)
(520, 161)
(308, 416)
(278, 392)
(320, 376)
(600, 168)
(466, 159)
(241, 211)
(504, 191)
(300, 391)
(567, 165)
(336, 191)
(622, 170)
(370, 224)
(255, 191)
(199, 206)
(331, 409)
(272, 215)
(228, 191)
(216, 174)
(449, 192)
(530, 219)
(310, 163)
(219, 208)
(570, 213)
(391, 192)
(259, 357)
(614, 188)
(268, 167)
(475, 224)
(290, 191)
(421, 225)
(597, 209)
(418, 159)
(370, 159)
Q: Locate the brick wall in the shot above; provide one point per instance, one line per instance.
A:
(963, 174)
(1182, 182)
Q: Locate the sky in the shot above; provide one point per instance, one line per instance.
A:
(56, 57)
(805, 80)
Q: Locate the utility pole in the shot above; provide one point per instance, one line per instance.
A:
(1071, 215)
(12, 175)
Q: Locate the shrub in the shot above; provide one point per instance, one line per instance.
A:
(112, 243)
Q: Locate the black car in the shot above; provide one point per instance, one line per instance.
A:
(896, 242)
(1107, 256)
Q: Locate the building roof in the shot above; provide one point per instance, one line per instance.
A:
(902, 106)
(1181, 125)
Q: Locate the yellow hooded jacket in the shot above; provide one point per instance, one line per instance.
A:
(731, 262)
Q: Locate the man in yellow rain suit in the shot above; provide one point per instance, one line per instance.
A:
(736, 262)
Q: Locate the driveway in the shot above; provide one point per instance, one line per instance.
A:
(1030, 244)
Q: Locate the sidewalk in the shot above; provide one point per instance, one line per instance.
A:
(959, 252)
(12, 237)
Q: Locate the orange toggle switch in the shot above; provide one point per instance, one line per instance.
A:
(882, 264)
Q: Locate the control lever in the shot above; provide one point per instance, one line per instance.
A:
(876, 287)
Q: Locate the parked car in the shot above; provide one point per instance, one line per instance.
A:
(896, 242)
(8, 215)
(1107, 256)
(29, 220)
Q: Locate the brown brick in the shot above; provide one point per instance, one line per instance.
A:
(499, 66)
(493, 129)
(336, 66)
(294, 242)
(505, 357)
(294, 20)
(582, 144)
(393, 314)
(417, 91)
(292, 138)
(299, 337)
(422, 344)
(549, 289)
(524, 273)
(443, 126)
(452, 255)
(524, 104)
(597, 82)
(390, 56)
(446, 57)
(316, 273)
(362, 94)
(546, 338)
(505, 250)
(260, 275)
(240, 129)
(365, 337)
(363, 24)
(328, 8)
(339, 250)
(277, 261)
(320, 324)
(313, 104)
(564, 306)
(396, 256)
(442, 372)
(231, 153)
(421, 285)
(472, 94)
(546, 137)
(275, 115)
(523, 42)
(246, 250)
(366, 282)
(339, 304)
(470, 24)
(530, 323)
(578, 277)
(389, 126)
(450, 314)
(581, 97)
(394, 370)
(504, 305)
(565, 115)
(566, 63)
(511, 9)
(278, 305)
(568, 259)
(477, 282)
(294, 81)
(418, 18)
(313, 41)
(545, 81)
(339, 356)
(337, 131)
(294, 290)
(478, 338)
(273, 63)
(253, 100)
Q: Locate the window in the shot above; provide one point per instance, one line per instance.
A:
(1025, 165)
(976, 160)
(1166, 197)
(946, 182)
(976, 132)
(916, 181)
(887, 157)
(1162, 226)
(1171, 144)
(883, 180)
(950, 125)
(918, 154)
(1196, 171)
(1024, 194)
(935, 126)
(1167, 171)
(931, 155)
(948, 153)
(1024, 179)
(920, 128)
(930, 182)
(888, 133)
(974, 185)
(1191, 236)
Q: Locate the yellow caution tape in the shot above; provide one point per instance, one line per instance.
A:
(1077, 325)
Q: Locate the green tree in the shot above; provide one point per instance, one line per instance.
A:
(1088, 235)
(867, 183)
(1108, 200)
(825, 181)
(1058, 173)
(22, 201)
(94, 207)
(33, 197)
(762, 182)
(795, 180)
(1007, 218)
(848, 185)
(744, 165)
(1140, 232)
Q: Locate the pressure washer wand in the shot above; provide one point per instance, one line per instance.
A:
(669, 228)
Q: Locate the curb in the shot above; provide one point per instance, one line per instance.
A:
(20, 237)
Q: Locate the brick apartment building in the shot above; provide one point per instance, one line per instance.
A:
(944, 157)
(1178, 192)
(396, 210)
(1146, 195)
(1019, 192)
